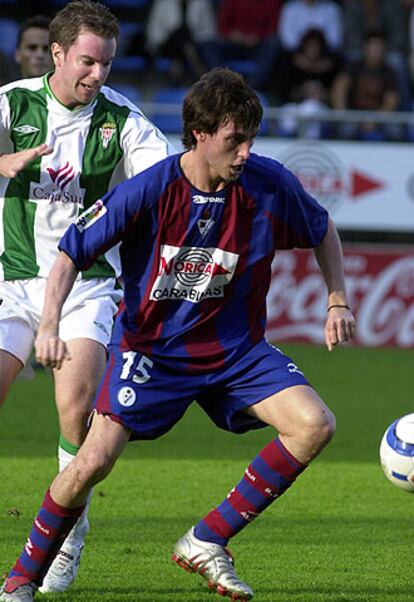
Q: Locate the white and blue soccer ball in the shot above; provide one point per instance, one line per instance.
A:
(397, 453)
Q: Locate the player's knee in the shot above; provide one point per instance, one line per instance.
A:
(318, 427)
(94, 467)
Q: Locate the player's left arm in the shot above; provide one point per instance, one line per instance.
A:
(340, 322)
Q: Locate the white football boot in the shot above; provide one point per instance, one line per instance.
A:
(214, 563)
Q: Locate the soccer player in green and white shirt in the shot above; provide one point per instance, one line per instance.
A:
(65, 140)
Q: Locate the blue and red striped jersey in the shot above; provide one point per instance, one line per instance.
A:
(196, 266)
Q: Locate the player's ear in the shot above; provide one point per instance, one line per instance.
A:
(58, 54)
(199, 136)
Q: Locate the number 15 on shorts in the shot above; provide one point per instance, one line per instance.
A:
(139, 374)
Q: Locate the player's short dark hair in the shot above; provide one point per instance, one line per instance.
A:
(219, 96)
(82, 14)
(37, 21)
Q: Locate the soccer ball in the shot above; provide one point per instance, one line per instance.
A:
(397, 453)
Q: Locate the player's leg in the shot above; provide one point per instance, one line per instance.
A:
(76, 384)
(85, 327)
(305, 425)
(75, 387)
(10, 367)
(62, 505)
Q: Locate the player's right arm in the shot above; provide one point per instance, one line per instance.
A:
(51, 351)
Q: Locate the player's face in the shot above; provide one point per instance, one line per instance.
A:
(226, 151)
(33, 54)
(83, 69)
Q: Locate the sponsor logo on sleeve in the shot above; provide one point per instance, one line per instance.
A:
(90, 216)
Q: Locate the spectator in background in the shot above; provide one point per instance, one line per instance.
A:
(368, 85)
(183, 31)
(311, 102)
(312, 61)
(363, 16)
(248, 31)
(299, 16)
(32, 52)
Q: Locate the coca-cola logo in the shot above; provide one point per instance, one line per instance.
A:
(380, 289)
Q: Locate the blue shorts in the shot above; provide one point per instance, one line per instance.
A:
(150, 400)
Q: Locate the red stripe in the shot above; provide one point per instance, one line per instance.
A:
(103, 400)
(240, 504)
(51, 506)
(174, 208)
(280, 462)
(218, 525)
(38, 555)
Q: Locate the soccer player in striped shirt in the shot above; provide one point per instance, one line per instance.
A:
(65, 139)
(197, 234)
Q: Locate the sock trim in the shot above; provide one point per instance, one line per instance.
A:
(68, 447)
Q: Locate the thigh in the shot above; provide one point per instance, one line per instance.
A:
(260, 374)
(141, 395)
(77, 380)
(290, 408)
(10, 366)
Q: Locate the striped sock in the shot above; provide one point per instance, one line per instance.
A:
(265, 479)
(50, 528)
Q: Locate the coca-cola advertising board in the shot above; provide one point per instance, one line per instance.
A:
(380, 287)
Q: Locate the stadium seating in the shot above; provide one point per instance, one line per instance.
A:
(170, 119)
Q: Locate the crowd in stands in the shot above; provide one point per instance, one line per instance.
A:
(307, 57)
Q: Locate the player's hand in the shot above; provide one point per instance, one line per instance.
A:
(12, 164)
(51, 351)
(340, 326)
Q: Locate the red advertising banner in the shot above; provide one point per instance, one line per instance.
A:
(380, 287)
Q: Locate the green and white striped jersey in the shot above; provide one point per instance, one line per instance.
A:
(95, 147)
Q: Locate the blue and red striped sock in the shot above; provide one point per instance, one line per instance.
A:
(265, 479)
(50, 528)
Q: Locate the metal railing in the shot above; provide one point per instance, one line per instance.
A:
(274, 116)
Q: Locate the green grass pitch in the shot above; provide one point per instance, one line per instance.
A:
(343, 533)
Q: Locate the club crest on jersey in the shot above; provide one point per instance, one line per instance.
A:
(107, 132)
(193, 273)
(205, 225)
(90, 216)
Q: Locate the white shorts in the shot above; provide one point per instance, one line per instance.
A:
(88, 313)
